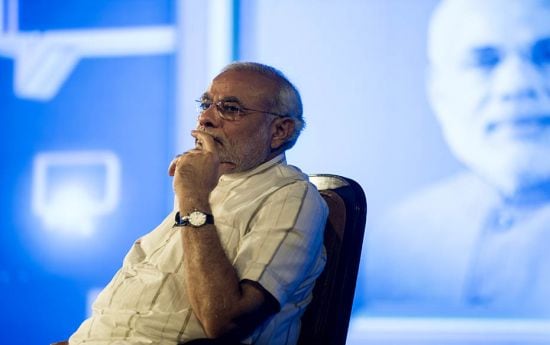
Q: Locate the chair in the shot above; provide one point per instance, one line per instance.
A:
(326, 320)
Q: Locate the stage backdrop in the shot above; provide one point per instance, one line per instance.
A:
(96, 96)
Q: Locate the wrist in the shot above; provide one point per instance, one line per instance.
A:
(194, 219)
(190, 204)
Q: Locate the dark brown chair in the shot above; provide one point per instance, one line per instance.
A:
(326, 319)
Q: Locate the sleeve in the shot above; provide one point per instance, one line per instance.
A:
(285, 240)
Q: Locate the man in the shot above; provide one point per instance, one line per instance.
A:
(477, 243)
(238, 257)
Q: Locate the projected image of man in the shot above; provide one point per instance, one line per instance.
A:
(477, 241)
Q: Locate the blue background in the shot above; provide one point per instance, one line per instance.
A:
(122, 104)
(359, 65)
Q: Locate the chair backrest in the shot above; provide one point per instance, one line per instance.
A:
(326, 320)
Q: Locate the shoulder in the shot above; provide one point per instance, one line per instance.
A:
(287, 181)
(446, 213)
(442, 202)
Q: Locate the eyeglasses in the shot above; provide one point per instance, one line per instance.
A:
(228, 109)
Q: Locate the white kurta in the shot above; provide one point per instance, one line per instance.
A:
(458, 248)
(270, 221)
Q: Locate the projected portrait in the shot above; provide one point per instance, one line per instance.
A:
(476, 243)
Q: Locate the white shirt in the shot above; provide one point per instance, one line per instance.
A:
(458, 249)
(270, 221)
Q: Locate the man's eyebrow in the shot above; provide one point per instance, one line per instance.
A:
(484, 49)
(231, 99)
(206, 96)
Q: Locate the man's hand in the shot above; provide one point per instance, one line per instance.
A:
(196, 173)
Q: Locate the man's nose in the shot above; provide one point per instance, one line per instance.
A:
(518, 78)
(209, 117)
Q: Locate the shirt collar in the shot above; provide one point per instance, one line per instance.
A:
(262, 167)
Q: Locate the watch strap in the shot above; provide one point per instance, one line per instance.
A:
(184, 220)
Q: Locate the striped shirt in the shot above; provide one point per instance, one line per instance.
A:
(270, 222)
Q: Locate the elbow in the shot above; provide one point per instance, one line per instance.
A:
(216, 328)
(233, 329)
(213, 333)
(216, 322)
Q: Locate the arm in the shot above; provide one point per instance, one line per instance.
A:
(223, 304)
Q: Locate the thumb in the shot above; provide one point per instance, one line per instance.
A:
(172, 167)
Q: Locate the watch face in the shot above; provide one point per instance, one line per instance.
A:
(197, 218)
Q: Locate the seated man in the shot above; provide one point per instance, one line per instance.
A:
(238, 257)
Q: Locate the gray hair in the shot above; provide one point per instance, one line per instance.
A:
(287, 102)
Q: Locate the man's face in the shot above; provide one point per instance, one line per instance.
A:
(245, 142)
(490, 87)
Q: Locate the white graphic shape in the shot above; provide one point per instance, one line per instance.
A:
(44, 60)
(71, 205)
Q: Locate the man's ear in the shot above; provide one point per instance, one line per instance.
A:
(282, 129)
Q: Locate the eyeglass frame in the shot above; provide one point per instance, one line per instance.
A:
(219, 108)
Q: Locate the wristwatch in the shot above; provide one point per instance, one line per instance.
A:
(195, 219)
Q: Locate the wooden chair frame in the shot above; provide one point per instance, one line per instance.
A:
(326, 319)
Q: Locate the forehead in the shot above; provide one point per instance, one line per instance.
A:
(461, 25)
(244, 85)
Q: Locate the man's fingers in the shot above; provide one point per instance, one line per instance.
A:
(172, 166)
(206, 140)
(174, 163)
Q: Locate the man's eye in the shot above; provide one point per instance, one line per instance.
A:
(541, 52)
(485, 58)
(231, 108)
(204, 105)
